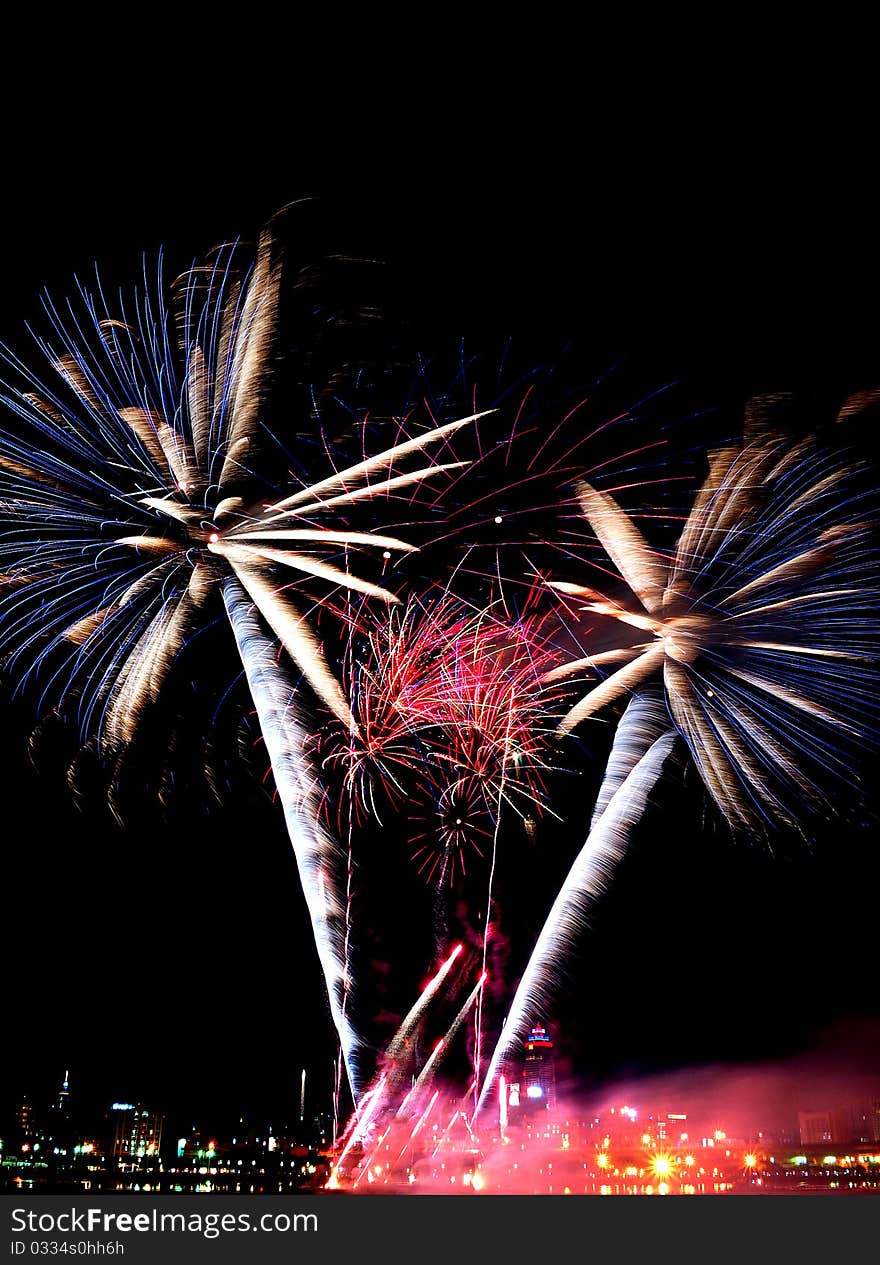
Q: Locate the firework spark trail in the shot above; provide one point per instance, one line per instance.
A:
(443, 692)
(166, 400)
(124, 500)
(403, 1036)
(367, 1166)
(760, 614)
(336, 1073)
(314, 849)
(448, 701)
(426, 1075)
(349, 873)
(478, 1043)
(643, 722)
(764, 600)
(398, 1055)
(428, 1071)
(359, 1122)
(587, 878)
(424, 1116)
(346, 945)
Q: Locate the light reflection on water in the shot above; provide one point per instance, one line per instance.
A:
(203, 1188)
(660, 1188)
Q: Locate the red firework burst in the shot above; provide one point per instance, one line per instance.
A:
(448, 703)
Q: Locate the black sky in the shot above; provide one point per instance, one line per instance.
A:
(172, 965)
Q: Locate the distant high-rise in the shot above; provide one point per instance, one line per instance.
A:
(818, 1128)
(539, 1072)
(857, 1123)
(63, 1102)
(137, 1133)
(866, 1121)
(24, 1118)
(60, 1126)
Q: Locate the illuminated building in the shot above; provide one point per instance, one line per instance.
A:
(138, 1132)
(59, 1115)
(856, 1122)
(671, 1125)
(820, 1127)
(866, 1121)
(538, 1092)
(63, 1103)
(24, 1117)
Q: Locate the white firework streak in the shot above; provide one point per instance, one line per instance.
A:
(586, 880)
(644, 721)
(757, 612)
(427, 1073)
(404, 1032)
(397, 1059)
(314, 849)
(131, 495)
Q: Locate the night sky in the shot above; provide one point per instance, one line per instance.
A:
(170, 962)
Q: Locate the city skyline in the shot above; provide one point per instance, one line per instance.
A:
(529, 1140)
(817, 1091)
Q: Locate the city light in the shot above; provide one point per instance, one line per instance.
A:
(426, 1142)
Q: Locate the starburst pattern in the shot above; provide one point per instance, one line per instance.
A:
(759, 624)
(137, 509)
(448, 700)
(764, 637)
(133, 485)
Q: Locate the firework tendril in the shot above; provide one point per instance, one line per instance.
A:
(763, 637)
(133, 503)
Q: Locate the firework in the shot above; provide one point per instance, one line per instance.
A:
(385, 1103)
(457, 829)
(431, 1066)
(448, 699)
(404, 1035)
(449, 712)
(759, 625)
(133, 500)
(761, 636)
(587, 878)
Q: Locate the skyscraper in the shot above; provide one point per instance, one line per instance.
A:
(137, 1133)
(60, 1125)
(539, 1072)
(63, 1102)
(24, 1118)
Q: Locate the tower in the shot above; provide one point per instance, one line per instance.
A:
(64, 1095)
(60, 1125)
(539, 1072)
(24, 1118)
